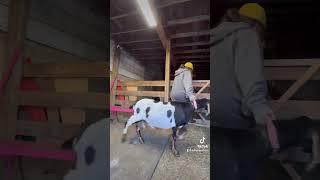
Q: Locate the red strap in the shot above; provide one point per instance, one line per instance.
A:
(6, 74)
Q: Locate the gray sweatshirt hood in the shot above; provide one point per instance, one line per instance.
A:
(179, 71)
(225, 29)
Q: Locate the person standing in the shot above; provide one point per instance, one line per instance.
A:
(239, 93)
(182, 89)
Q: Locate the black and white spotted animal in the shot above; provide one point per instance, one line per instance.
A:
(90, 146)
(157, 114)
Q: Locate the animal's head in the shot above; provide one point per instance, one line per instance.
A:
(91, 151)
(204, 104)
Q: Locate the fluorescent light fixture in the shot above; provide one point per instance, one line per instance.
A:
(147, 12)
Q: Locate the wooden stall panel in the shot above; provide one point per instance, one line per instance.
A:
(71, 115)
(132, 88)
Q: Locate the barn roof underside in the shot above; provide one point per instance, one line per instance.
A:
(185, 22)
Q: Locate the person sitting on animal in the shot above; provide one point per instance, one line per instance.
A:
(182, 89)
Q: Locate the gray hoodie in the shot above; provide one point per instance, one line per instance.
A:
(239, 87)
(182, 88)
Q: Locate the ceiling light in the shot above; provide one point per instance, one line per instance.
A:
(147, 12)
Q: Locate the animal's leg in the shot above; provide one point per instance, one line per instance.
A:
(315, 151)
(173, 142)
(182, 131)
(130, 121)
(139, 134)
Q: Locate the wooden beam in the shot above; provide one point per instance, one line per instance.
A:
(69, 100)
(201, 43)
(192, 51)
(55, 70)
(115, 71)
(141, 93)
(188, 20)
(150, 48)
(17, 24)
(131, 31)
(162, 5)
(40, 129)
(294, 108)
(138, 41)
(203, 88)
(291, 62)
(287, 73)
(142, 83)
(190, 34)
(167, 72)
(159, 28)
(191, 57)
(197, 61)
(293, 89)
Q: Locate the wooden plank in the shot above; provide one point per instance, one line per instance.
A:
(38, 129)
(294, 88)
(138, 41)
(204, 95)
(131, 31)
(190, 34)
(141, 93)
(115, 72)
(291, 62)
(201, 43)
(167, 73)
(17, 24)
(71, 85)
(188, 20)
(142, 83)
(183, 57)
(132, 88)
(159, 28)
(69, 100)
(150, 48)
(202, 88)
(294, 108)
(192, 51)
(55, 70)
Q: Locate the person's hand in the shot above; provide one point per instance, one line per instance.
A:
(194, 103)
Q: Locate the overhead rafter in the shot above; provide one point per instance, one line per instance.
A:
(202, 43)
(163, 5)
(191, 57)
(192, 51)
(150, 48)
(190, 34)
(138, 41)
(188, 20)
(131, 31)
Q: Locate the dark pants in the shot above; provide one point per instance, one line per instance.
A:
(236, 154)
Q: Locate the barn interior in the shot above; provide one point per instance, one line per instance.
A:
(144, 57)
(53, 82)
(290, 53)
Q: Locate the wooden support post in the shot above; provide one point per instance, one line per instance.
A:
(17, 22)
(115, 71)
(167, 72)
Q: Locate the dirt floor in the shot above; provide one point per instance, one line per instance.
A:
(154, 160)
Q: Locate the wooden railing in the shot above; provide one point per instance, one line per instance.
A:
(154, 93)
(54, 100)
